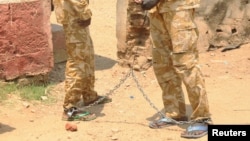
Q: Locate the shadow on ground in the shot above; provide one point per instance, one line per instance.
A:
(101, 63)
(5, 128)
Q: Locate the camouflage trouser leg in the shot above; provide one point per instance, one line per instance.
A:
(80, 78)
(168, 79)
(170, 83)
(175, 37)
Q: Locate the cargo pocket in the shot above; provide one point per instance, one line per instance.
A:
(183, 30)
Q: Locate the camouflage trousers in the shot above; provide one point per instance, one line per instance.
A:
(79, 74)
(175, 60)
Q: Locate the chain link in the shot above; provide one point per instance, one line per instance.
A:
(145, 96)
(110, 92)
(131, 73)
(169, 120)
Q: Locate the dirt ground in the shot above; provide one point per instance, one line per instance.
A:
(227, 77)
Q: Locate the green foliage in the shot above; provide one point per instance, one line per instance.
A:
(29, 92)
(6, 89)
(32, 92)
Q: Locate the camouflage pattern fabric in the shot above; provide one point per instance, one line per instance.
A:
(79, 73)
(69, 11)
(175, 5)
(175, 60)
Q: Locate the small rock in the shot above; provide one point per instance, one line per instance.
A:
(114, 138)
(137, 67)
(71, 127)
(44, 97)
(33, 111)
(115, 130)
(149, 58)
(170, 138)
(26, 105)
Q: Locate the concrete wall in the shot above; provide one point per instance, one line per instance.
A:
(25, 38)
(223, 23)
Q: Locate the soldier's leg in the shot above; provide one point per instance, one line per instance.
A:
(184, 35)
(79, 73)
(169, 81)
(89, 94)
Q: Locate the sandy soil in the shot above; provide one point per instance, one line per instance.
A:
(227, 77)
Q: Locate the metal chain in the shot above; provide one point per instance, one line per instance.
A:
(131, 72)
(170, 120)
(144, 95)
(110, 92)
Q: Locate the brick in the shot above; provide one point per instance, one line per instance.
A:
(25, 38)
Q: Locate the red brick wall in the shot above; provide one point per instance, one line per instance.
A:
(25, 39)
